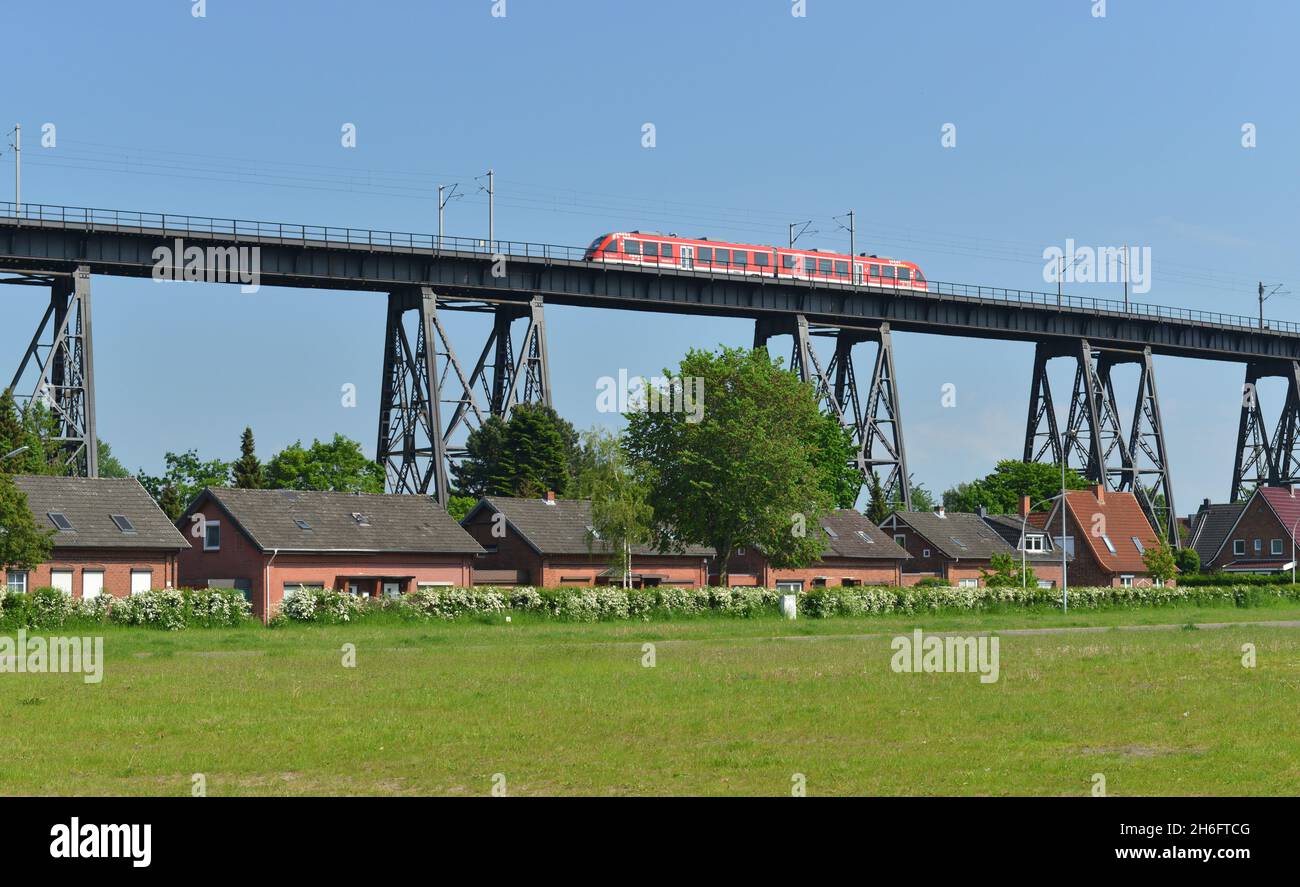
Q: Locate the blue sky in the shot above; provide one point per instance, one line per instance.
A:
(1122, 129)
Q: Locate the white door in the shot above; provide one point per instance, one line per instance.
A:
(141, 581)
(92, 584)
(688, 257)
(392, 590)
(62, 580)
(857, 274)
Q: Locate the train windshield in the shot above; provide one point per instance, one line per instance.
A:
(595, 244)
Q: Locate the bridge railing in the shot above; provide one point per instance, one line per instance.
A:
(48, 215)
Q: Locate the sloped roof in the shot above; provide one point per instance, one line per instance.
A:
(843, 540)
(561, 526)
(1123, 520)
(1213, 522)
(1008, 527)
(392, 523)
(89, 504)
(958, 534)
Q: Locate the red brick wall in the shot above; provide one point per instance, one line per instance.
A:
(238, 558)
(1085, 569)
(116, 564)
(751, 568)
(512, 552)
(1257, 522)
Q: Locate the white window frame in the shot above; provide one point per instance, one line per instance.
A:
(207, 545)
(1034, 542)
(1259, 546)
(795, 585)
(900, 540)
(1276, 546)
(66, 588)
(11, 575)
(148, 585)
(968, 583)
(1238, 547)
(103, 578)
(1126, 581)
(925, 552)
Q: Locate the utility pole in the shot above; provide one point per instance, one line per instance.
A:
(1262, 297)
(1265, 296)
(803, 229)
(442, 204)
(1126, 276)
(491, 209)
(18, 170)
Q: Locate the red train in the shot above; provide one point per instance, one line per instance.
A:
(650, 249)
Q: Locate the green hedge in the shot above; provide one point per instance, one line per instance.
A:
(172, 609)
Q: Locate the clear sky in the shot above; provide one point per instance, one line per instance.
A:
(1109, 130)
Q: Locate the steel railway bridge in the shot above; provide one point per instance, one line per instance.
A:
(431, 395)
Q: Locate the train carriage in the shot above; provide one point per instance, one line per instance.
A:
(652, 249)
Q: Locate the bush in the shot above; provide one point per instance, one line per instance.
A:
(171, 609)
(932, 582)
(326, 606)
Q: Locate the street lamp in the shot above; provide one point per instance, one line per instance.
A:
(1024, 525)
(14, 452)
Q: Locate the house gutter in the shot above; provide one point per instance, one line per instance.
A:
(266, 588)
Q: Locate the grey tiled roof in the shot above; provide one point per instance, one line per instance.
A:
(958, 534)
(560, 527)
(1008, 527)
(844, 541)
(1212, 525)
(393, 523)
(89, 503)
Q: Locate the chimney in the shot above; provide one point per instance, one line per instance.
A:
(982, 511)
(938, 509)
(550, 495)
(1205, 503)
(1099, 490)
(1024, 506)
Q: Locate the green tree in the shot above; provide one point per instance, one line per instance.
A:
(621, 516)
(836, 460)
(922, 499)
(1000, 491)
(535, 455)
(337, 465)
(1005, 573)
(877, 508)
(1188, 560)
(247, 469)
(109, 465)
(459, 506)
(747, 473)
(1159, 561)
(185, 475)
(23, 544)
(473, 474)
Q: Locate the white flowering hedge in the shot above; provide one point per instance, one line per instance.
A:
(172, 609)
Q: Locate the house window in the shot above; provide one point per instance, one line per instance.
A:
(1126, 581)
(1033, 543)
(211, 535)
(60, 520)
(62, 580)
(925, 552)
(1238, 546)
(1277, 546)
(123, 523)
(789, 585)
(740, 552)
(1046, 583)
(16, 581)
(292, 588)
(968, 583)
(1259, 546)
(1110, 546)
(900, 540)
(1137, 543)
(849, 582)
(141, 581)
(819, 582)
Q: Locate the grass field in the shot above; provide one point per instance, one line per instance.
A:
(731, 707)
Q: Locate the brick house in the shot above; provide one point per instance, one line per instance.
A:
(857, 553)
(952, 545)
(269, 543)
(550, 542)
(1115, 534)
(1031, 542)
(110, 537)
(1210, 526)
(1260, 538)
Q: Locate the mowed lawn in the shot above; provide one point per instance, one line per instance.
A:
(730, 707)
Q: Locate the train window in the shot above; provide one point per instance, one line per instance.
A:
(705, 253)
(788, 261)
(723, 257)
(875, 270)
(887, 271)
(612, 246)
(904, 273)
(652, 249)
(739, 257)
(842, 268)
(667, 251)
(823, 266)
(760, 259)
(632, 247)
(919, 277)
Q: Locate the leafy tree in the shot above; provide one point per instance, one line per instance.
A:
(747, 474)
(877, 508)
(23, 544)
(922, 499)
(459, 506)
(37, 428)
(183, 478)
(473, 474)
(1188, 560)
(1159, 561)
(337, 465)
(109, 465)
(1000, 491)
(247, 469)
(1005, 573)
(535, 454)
(621, 515)
(836, 460)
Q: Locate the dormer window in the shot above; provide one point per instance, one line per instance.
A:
(1034, 543)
